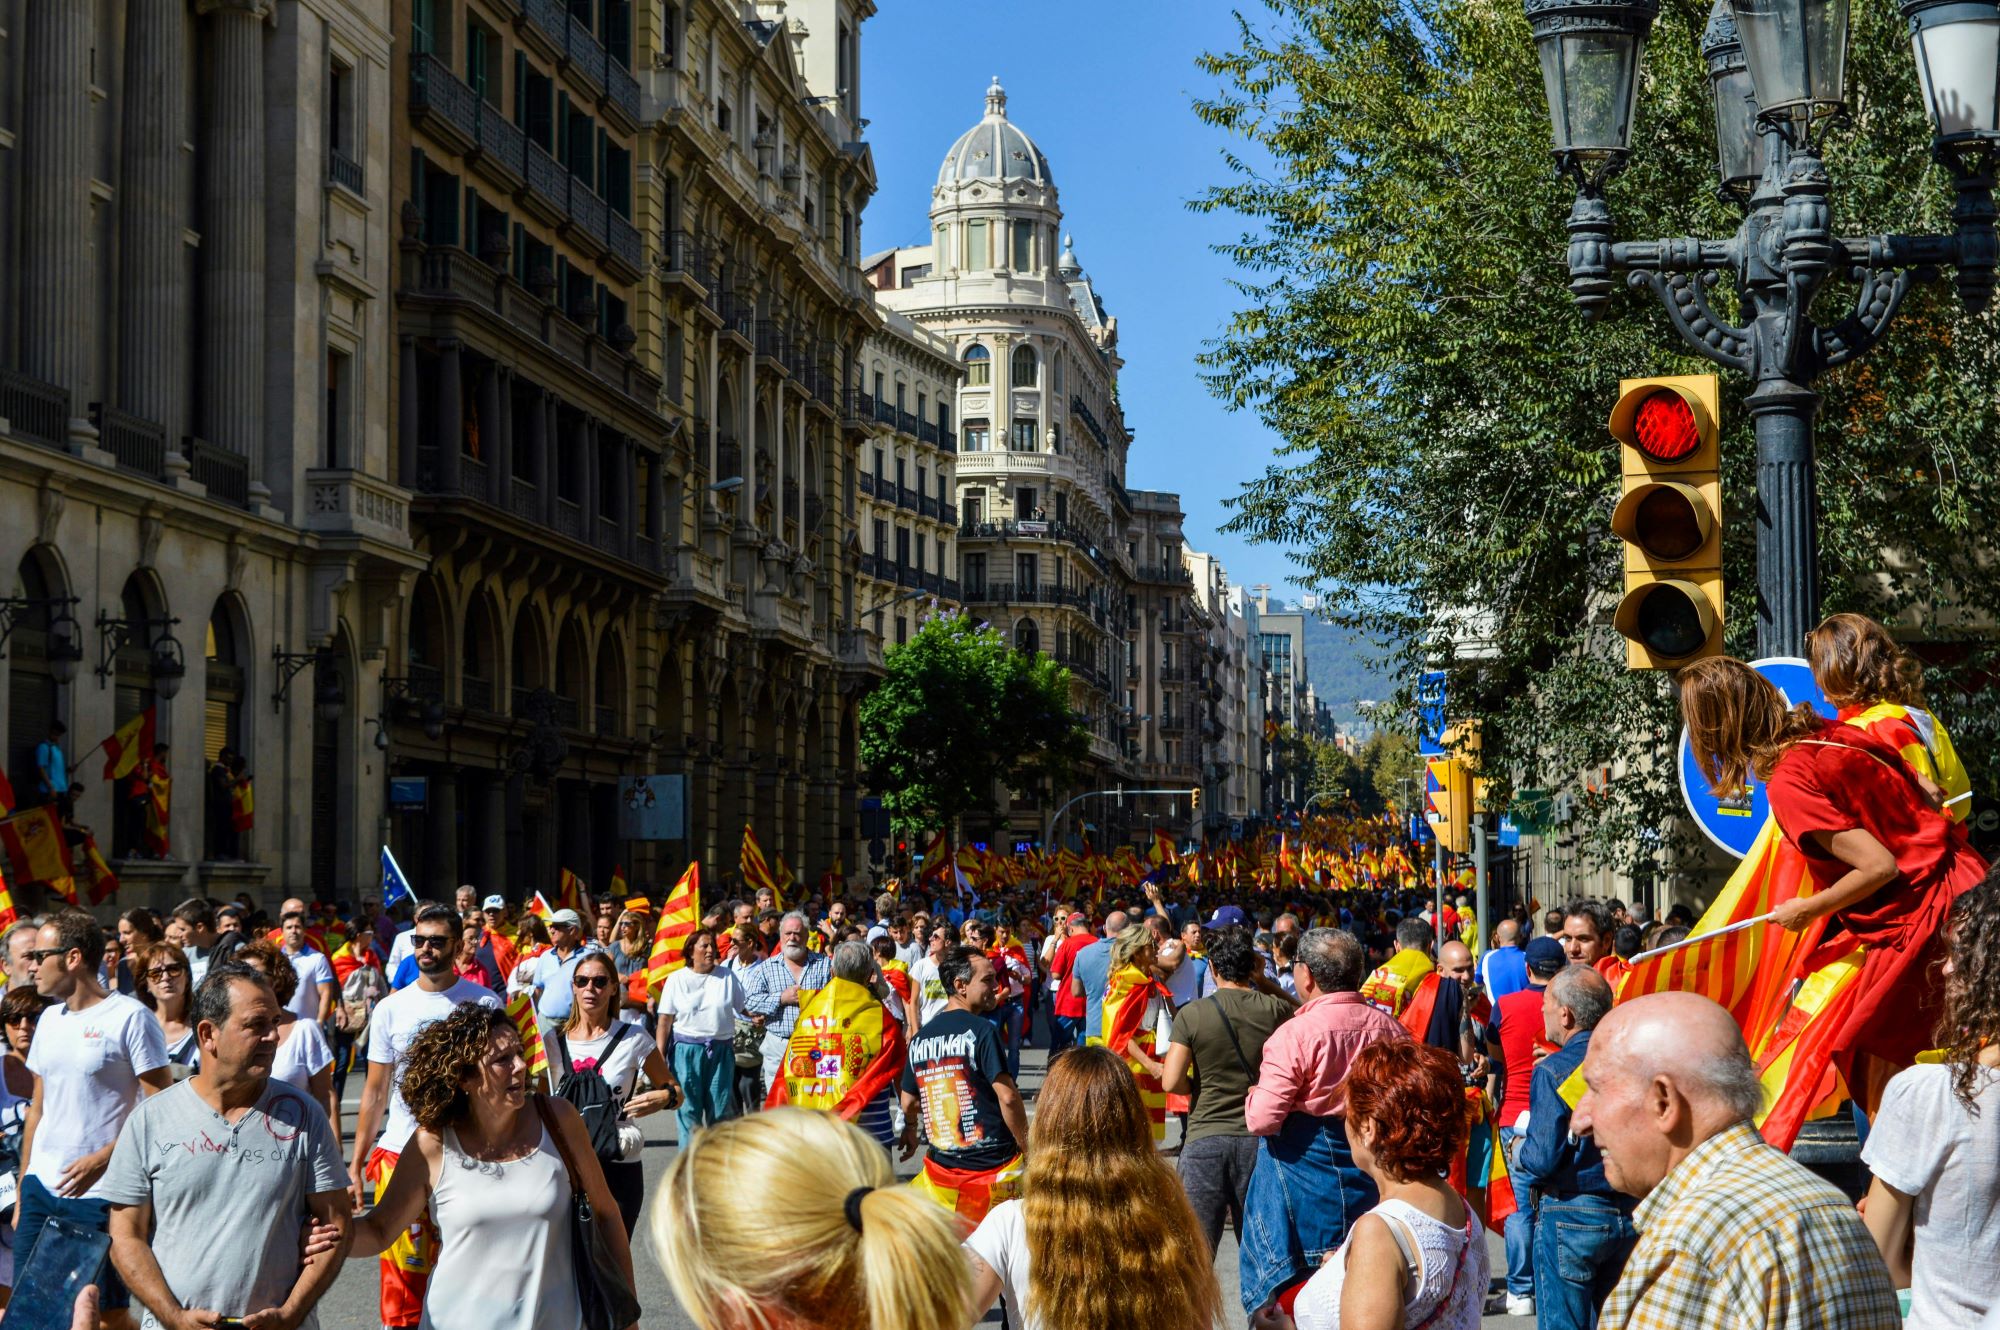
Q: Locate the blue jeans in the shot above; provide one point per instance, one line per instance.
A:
(1303, 1194)
(707, 1074)
(1520, 1226)
(1580, 1247)
(1006, 1020)
(1065, 1032)
(38, 1205)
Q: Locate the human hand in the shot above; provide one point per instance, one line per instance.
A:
(271, 1318)
(790, 997)
(1795, 914)
(83, 1173)
(357, 1191)
(192, 1318)
(1272, 1317)
(316, 1238)
(83, 1316)
(909, 1140)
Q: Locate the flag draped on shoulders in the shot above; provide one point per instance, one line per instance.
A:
(845, 1050)
(1923, 743)
(1396, 980)
(1127, 1000)
(679, 918)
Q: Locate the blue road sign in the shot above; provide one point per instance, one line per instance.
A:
(1733, 823)
(1430, 713)
(1510, 832)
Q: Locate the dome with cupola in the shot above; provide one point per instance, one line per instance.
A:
(994, 149)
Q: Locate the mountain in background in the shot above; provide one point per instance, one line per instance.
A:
(1342, 665)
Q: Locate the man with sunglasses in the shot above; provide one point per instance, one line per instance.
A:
(395, 1024)
(93, 1053)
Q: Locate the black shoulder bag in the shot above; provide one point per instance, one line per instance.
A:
(603, 1289)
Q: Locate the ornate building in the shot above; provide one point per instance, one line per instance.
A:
(907, 517)
(1169, 670)
(1041, 468)
(751, 186)
(193, 485)
(531, 433)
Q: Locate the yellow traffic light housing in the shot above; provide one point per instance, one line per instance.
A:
(1670, 518)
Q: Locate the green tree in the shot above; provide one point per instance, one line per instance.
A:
(1408, 333)
(960, 714)
(1393, 771)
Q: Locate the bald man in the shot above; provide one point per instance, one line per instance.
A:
(1733, 1232)
(1504, 969)
(1583, 1227)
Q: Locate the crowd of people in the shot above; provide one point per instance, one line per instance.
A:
(1354, 1080)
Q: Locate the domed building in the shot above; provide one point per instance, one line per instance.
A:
(1044, 540)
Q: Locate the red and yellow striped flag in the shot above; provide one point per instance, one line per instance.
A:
(570, 891)
(9, 916)
(679, 917)
(620, 888)
(131, 745)
(540, 907)
(1125, 1003)
(756, 869)
(521, 1010)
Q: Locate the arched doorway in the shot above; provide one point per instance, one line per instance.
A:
(142, 605)
(226, 685)
(34, 699)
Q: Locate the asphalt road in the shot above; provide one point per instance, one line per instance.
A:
(352, 1303)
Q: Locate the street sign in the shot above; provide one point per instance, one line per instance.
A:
(409, 791)
(652, 807)
(1510, 831)
(1733, 823)
(1430, 713)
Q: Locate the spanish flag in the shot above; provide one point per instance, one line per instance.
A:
(9, 916)
(6, 795)
(970, 1193)
(131, 745)
(1125, 1027)
(620, 888)
(845, 1050)
(756, 869)
(159, 799)
(570, 892)
(678, 919)
(540, 907)
(103, 882)
(242, 805)
(521, 1010)
(36, 849)
(832, 882)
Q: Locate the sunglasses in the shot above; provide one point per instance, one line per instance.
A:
(46, 953)
(165, 971)
(429, 942)
(592, 981)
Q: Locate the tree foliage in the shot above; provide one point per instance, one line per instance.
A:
(960, 715)
(1445, 472)
(1384, 772)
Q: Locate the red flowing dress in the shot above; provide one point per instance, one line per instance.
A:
(1840, 779)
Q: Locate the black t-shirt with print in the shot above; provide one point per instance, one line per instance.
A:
(952, 1066)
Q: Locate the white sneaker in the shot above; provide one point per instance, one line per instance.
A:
(1520, 1305)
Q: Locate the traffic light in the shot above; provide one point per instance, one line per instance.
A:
(1194, 797)
(1670, 518)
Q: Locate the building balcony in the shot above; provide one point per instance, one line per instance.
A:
(225, 475)
(343, 502)
(36, 410)
(927, 432)
(906, 423)
(1016, 529)
(859, 406)
(578, 52)
(865, 483)
(686, 261)
(139, 445)
(885, 411)
(1165, 576)
(344, 171)
(858, 649)
(947, 441)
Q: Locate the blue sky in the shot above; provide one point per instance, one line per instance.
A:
(1106, 88)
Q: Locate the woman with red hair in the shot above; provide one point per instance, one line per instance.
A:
(1419, 1257)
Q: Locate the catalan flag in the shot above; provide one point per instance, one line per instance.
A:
(521, 1010)
(679, 918)
(1126, 997)
(783, 876)
(756, 869)
(130, 745)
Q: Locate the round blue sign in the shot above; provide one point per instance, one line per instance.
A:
(1734, 823)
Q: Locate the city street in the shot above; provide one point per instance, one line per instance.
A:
(352, 1303)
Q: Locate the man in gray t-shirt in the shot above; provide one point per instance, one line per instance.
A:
(212, 1181)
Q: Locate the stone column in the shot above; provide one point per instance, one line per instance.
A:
(152, 302)
(547, 455)
(582, 442)
(627, 479)
(489, 426)
(656, 501)
(58, 279)
(409, 413)
(500, 478)
(232, 239)
(450, 415)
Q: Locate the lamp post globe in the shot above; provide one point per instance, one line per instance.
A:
(1797, 54)
(1590, 52)
(65, 648)
(1957, 48)
(1739, 143)
(169, 669)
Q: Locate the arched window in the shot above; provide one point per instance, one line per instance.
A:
(34, 701)
(1027, 637)
(222, 727)
(1024, 367)
(133, 694)
(978, 366)
(481, 656)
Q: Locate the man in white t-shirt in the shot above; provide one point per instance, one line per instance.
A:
(393, 1026)
(92, 1053)
(313, 1000)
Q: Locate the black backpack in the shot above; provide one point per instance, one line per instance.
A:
(590, 1094)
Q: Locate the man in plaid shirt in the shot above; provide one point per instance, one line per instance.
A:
(1731, 1232)
(773, 989)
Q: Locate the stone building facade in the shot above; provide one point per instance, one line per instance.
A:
(195, 493)
(1168, 667)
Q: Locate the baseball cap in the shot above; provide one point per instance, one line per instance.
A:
(494, 902)
(1545, 956)
(1229, 916)
(565, 917)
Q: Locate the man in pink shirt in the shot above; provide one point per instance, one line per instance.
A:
(1306, 1190)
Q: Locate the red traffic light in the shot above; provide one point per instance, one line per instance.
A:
(1664, 427)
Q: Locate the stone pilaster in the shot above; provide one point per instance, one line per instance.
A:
(409, 413)
(152, 300)
(232, 241)
(57, 276)
(450, 441)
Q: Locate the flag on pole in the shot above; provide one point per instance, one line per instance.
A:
(521, 1010)
(620, 888)
(784, 878)
(569, 892)
(37, 850)
(756, 869)
(103, 882)
(130, 745)
(159, 797)
(679, 918)
(395, 887)
(540, 907)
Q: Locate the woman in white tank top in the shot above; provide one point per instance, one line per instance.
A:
(494, 1181)
(1418, 1259)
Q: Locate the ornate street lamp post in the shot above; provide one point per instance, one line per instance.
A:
(1777, 69)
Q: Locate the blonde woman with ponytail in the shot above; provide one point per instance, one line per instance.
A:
(839, 1246)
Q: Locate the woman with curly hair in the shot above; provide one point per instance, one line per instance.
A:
(488, 1161)
(1934, 1147)
(846, 1249)
(304, 1059)
(1419, 1257)
(1103, 1237)
(1885, 864)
